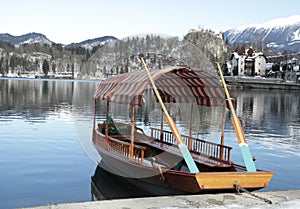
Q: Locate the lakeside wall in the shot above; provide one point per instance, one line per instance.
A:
(260, 83)
(289, 199)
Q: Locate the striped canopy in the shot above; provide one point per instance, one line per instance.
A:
(180, 84)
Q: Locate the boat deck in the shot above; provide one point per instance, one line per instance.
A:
(206, 153)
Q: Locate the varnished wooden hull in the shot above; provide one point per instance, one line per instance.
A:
(176, 183)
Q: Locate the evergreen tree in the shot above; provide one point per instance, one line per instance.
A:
(6, 67)
(13, 63)
(87, 55)
(36, 69)
(53, 67)
(72, 69)
(1, 66)
(117, 69)
(45, 67)
(68, 67)
(104, 71)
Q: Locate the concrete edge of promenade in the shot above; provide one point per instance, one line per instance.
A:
(279, 199)
(261, 83)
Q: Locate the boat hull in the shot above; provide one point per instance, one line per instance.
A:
(170, 182)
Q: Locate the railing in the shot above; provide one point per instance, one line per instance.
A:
(119, 147)
(210, 149)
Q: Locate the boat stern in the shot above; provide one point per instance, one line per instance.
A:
(228, 180)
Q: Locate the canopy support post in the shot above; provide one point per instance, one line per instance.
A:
(162, 126)
(131, 147)
(238, 129)
(106, 124)
(181, 145)
(95, 112)
(191, 128)
(223, 129)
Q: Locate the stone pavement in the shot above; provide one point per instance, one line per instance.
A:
(280, 199)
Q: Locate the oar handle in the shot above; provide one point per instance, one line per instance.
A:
(238, 128)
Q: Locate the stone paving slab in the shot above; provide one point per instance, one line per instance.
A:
(280, 199)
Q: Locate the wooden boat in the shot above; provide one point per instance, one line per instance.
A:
(167, 162)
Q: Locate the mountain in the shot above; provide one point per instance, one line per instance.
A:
(91, 43)
(278, 34)
(31, 38)
(28, 38)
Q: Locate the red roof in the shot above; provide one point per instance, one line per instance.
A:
(175, 84)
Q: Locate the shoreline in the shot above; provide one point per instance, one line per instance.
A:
(280, 199)
(232, 82)
(260, 83)
(51, 79)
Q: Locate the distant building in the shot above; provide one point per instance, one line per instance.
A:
(247, 62)
(193, 30)
(220, 35)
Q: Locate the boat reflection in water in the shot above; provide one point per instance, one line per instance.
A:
(105, 185)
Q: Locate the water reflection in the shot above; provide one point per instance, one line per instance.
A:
(34, 99)
(41, 160)
(108, 186)
(272, 117)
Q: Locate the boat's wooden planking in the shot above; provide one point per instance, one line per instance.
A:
(226, 180)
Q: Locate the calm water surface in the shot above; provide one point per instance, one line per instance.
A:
(45, 130)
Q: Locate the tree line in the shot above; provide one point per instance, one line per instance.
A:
(34, 57)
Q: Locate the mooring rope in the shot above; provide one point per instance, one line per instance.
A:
(241, 189)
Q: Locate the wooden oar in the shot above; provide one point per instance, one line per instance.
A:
(182, 146)
(238, 129)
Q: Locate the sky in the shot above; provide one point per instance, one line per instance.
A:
(73, 21)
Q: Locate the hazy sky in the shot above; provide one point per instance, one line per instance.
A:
(67, 21)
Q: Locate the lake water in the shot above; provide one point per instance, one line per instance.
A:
(45, 132)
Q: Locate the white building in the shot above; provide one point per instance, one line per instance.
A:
(248, 63)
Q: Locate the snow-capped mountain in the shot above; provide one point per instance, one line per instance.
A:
(31, 38)
(279, 34)
(28, 38)
(90, 43)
